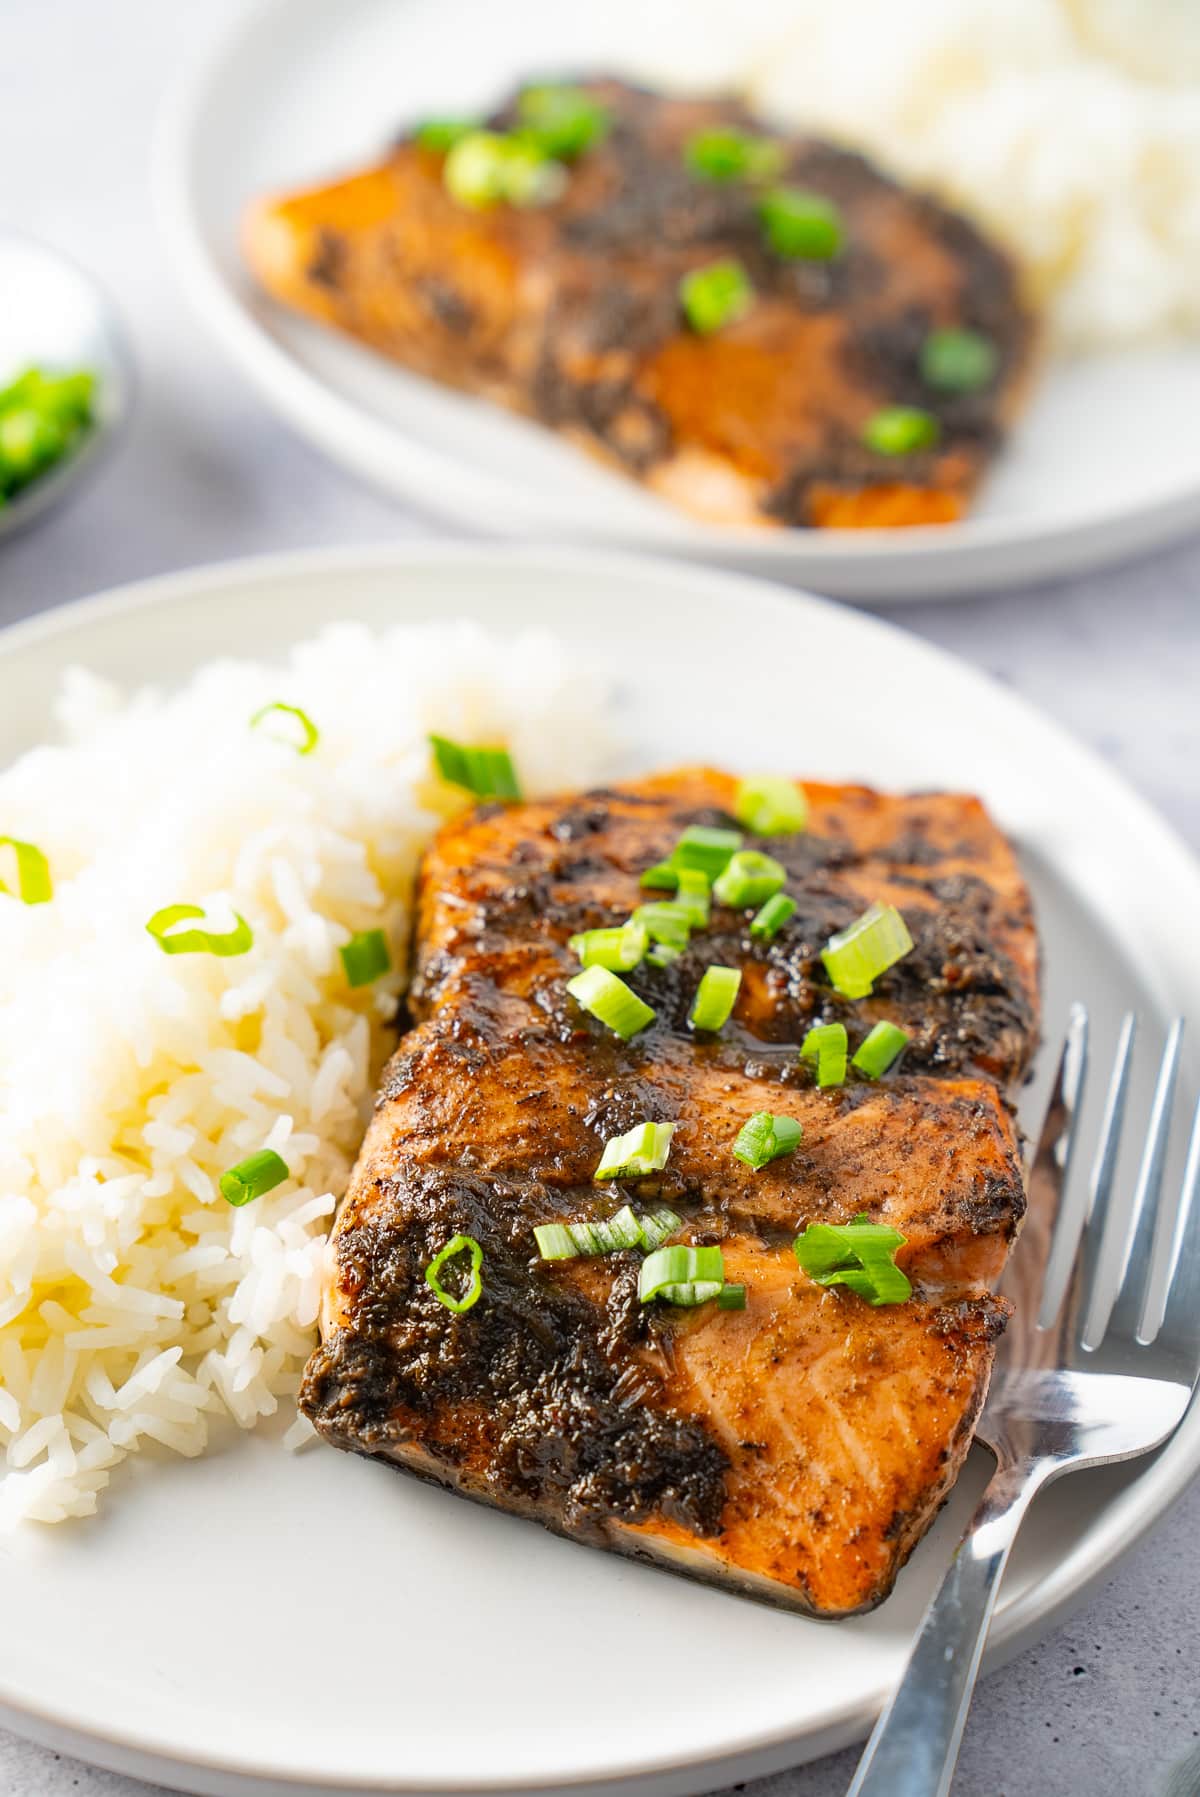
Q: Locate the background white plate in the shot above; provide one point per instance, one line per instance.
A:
(257, 1622)
(1107, 461)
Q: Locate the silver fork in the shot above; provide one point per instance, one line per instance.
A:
(1098, 1364)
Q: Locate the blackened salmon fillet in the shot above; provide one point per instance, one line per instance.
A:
(571, 314)
(796, 1449)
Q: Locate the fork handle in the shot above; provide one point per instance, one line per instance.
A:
(914, 1745)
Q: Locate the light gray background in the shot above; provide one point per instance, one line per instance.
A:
(1110, 1704)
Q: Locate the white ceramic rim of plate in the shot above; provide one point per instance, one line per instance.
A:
(1087, 536)
(1117, 1527)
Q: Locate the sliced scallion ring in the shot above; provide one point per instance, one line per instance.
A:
(457, 1302)
(748, 878)
(678, 1268)
(693, 895)
(34, 885)
(365, 957)
(566, 1241)
(252, 1178)
(488, 773)
(731, 1297)
(705, 848)
(618, 949)
(860, 1254)
(767, 923)
(875, 1055)
(641, 1150)
(657, 1225)
(668, 922)
(309, 734)
(198, 942)
(662, 877)
(856, 956)
(715, 998)
(765, 1137)
(827, 1045)
(770, 805)
(606, 997)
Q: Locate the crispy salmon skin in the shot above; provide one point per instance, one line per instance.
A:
(795, 1450)
(570, 313)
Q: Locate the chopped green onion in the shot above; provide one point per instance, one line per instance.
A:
(640, 1151)
(715, 295)
(826, 1044)
(42, 418)
(693, 895)
(958, 361)
(617, 949)
(715, 998)
(257, 1174)
(731, 1297)
(565, 1241)
(705, 849)
(488, 773)
(669, 1272)
(723, 153)
(876, 1054)
(198, 942)
(799, 225)
(765, 1138)
(365, 957)
(562, 121)
(34, 885)
(485, 167)
(899, 430)
(458, 1244)
(768, 922)
(662, 955)
(856, 956)
(309, 734)
(770, 805)
(662, 877)
(657, 1225)
(858, 1254)
(441, 135)
(749, 878)
(609, 999)
(668, 922)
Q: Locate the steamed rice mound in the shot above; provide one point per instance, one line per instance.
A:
(136, 1304)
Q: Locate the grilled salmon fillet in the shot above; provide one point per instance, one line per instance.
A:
(570, 313)
(795, 1450)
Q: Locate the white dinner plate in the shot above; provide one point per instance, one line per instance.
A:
(1106, 463)
(254, 1621)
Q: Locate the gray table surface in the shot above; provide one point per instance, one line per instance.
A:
(1110, 1703)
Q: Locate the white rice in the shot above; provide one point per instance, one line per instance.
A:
(136, 1305)
(1070, 128)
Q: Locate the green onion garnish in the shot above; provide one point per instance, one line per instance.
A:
(749, 878)
(715, 998)
(858, 1254)
(731, 1297)
(458, 1244)
(365, 957)
(662, 955)
(617, 949)
(609, 999)
(705, 849)
(34, 885)
(899, 430)
(198, 942)
(661, 877)
(856, 956)
(682, 1275)
(723, 153)
(693, 895)
(715, 295)
(562, 121)
(488, 773)
(640, 1151)
(565, 1241)
(801, 225)
(485, 167)
(958, 361)
(251, 1178)
(826, 1044)
(880, 1049)
(667, 922)
(42, 419)
(768, 922)
(441, 135)
(770, 805)
(765, 1137)
(309, 734)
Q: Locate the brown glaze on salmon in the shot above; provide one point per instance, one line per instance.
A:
(795, 1450)
(570, 314)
